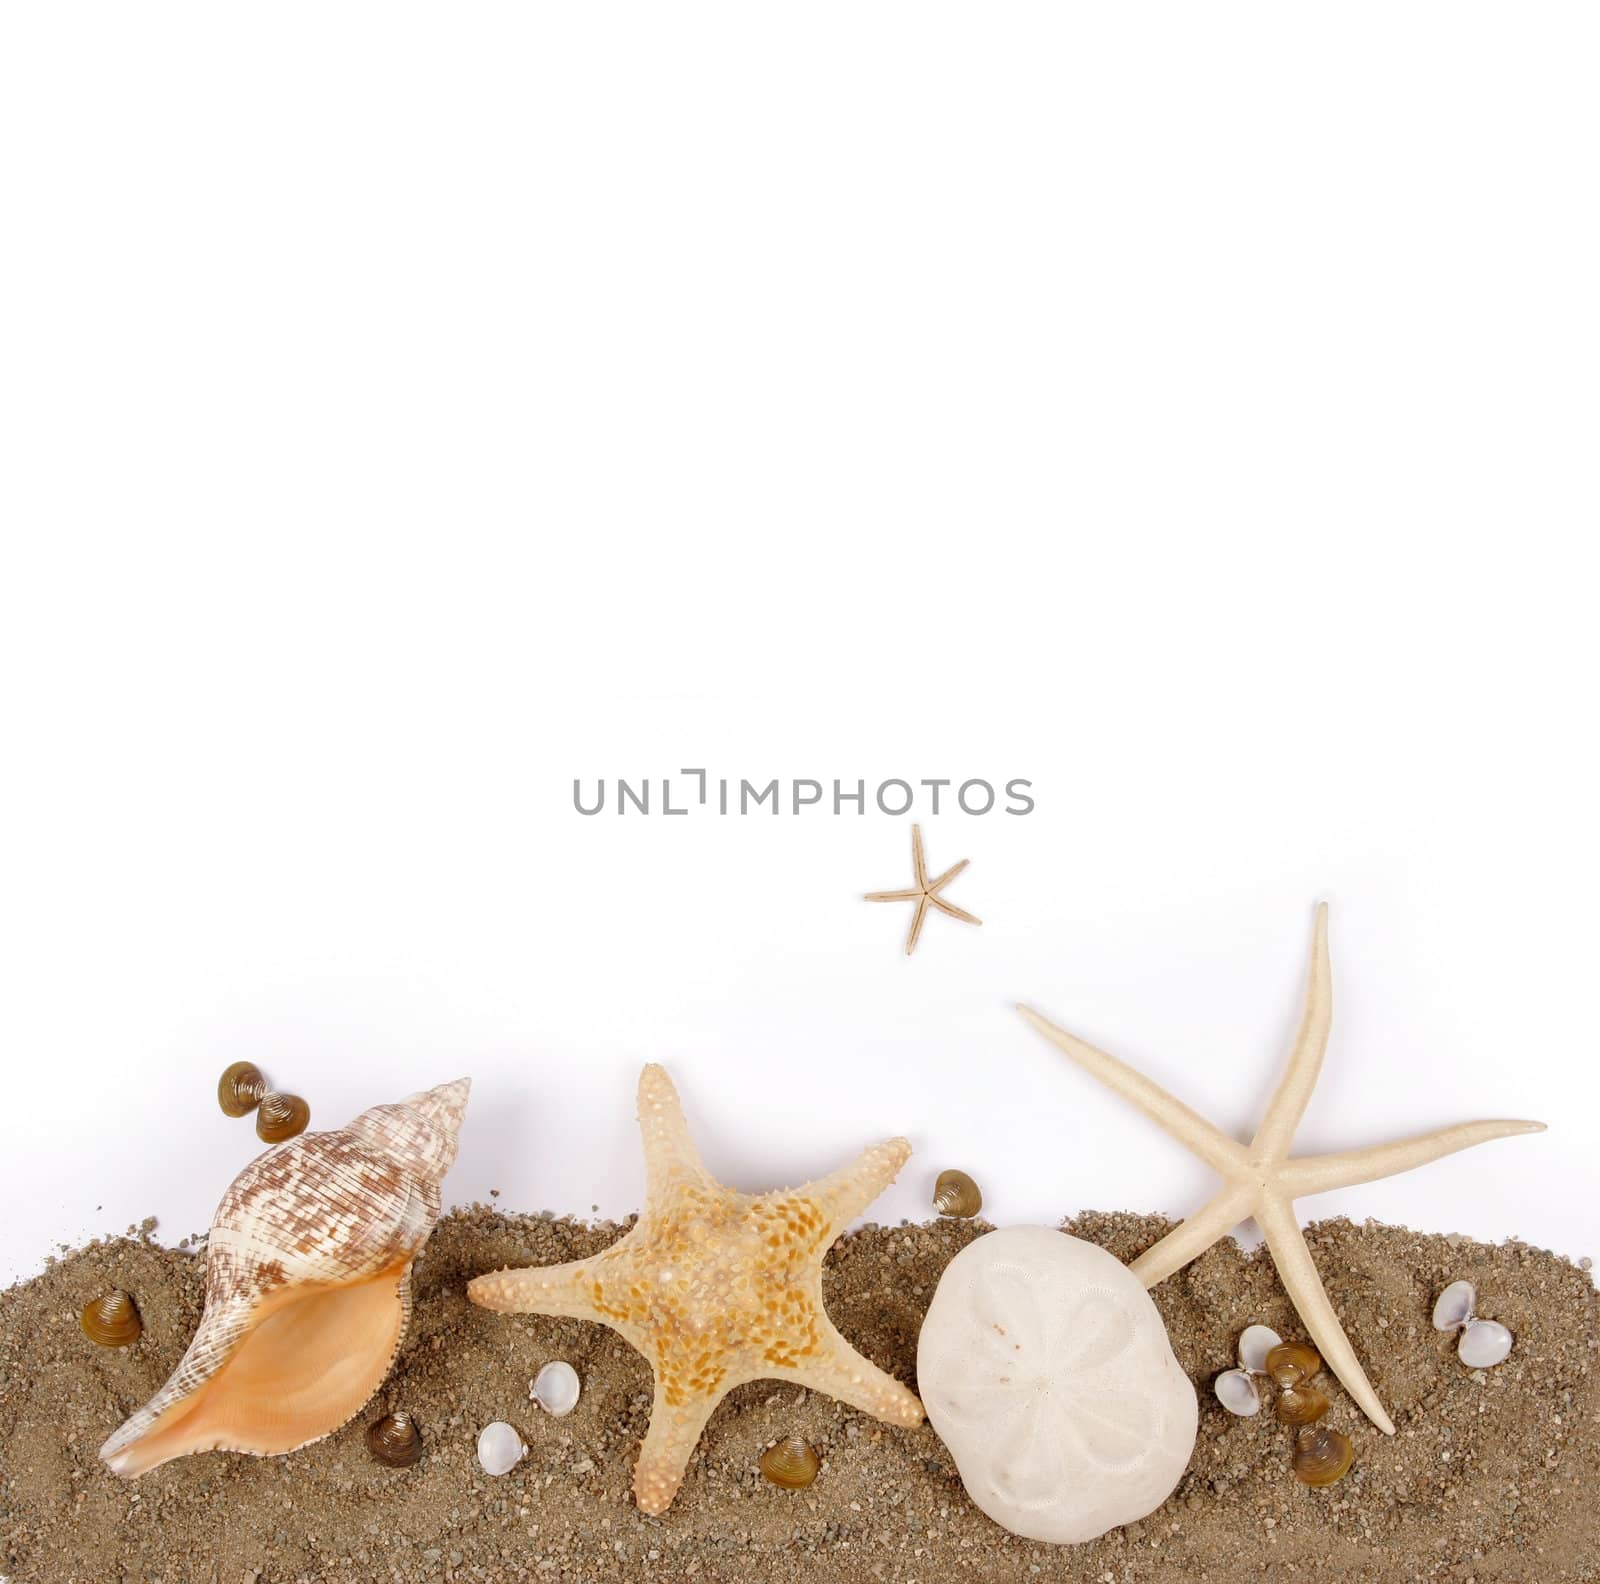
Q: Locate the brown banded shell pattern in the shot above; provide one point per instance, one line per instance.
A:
(322, 1211)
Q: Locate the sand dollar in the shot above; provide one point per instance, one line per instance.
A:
(1046, 1369)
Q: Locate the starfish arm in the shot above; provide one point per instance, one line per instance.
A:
(954, 912)
(539, 1289)
(948, 875)
(1189, 1241)
(669, 1443)
(842, 1195)
(1289, 1100)
(843, 1373)
(669, 1153)
(1298, 1273)
(1216, 1149)
(892, 896)
(915, 931)
(1318, 1173)
(919, 864)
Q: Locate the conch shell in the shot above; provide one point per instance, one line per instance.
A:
(308, 1287)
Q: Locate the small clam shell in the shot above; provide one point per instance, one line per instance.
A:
(500, 1448)
(280, 1117)
(1290, 1363)
(240, 1088)
(1237, 1392)
(112, 1320)
(555, 1388)
(1454, 1306)
(791, 1463)
(1255, 1342)
(395, 1440)
(1483, 1344)
(1322, 1455)
(956, 1194)
(1297, 1405)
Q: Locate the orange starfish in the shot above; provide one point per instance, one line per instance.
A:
(716, 1288)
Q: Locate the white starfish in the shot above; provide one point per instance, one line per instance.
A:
(1264, 1181)
(925, 892)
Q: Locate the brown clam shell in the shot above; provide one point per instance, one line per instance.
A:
(956, 1194)
(790, 1463)
(240, 1088)
(1298, 1405)
(280, 1117)
(1290, 1363)
(395, 1440)
(1322, 1455)
(112, 1320)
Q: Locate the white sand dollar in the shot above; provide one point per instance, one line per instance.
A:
(1046, 1369)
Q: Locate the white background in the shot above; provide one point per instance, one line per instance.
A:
(406, 411)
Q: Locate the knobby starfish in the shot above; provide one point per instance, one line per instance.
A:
(1264, 1181)
(925, 893)
(716, 1288)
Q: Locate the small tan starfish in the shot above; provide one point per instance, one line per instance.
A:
(1264, 1181)
(716, 1288)
(925, 892)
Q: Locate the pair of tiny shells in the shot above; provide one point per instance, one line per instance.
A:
(1046, 1369)
(1322, 1455)
(1483, 1343)
(308, 1287)
(242, 1089)
(1289, 1365)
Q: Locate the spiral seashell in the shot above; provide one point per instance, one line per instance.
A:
(1298, 1405)
(1322, 1455)
(1292, 1363)
(308, 1287)
(280, 1117)
(395, 1440)
(111, 1320)
(240, 1088)
(790, 1463)
(956, 1194)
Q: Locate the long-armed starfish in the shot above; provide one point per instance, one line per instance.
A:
(716, 1288)
(1264, 1181)
(925, 893)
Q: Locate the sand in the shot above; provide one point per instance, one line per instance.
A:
(1489, 1478)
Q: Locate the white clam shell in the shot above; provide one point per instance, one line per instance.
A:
(1237, 1391)
(555, 1388)
(1255, 1342)
(1046, 1369)
(317, 1235)
(1454, 1306)
(1483, 1344)
(500, 1448)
